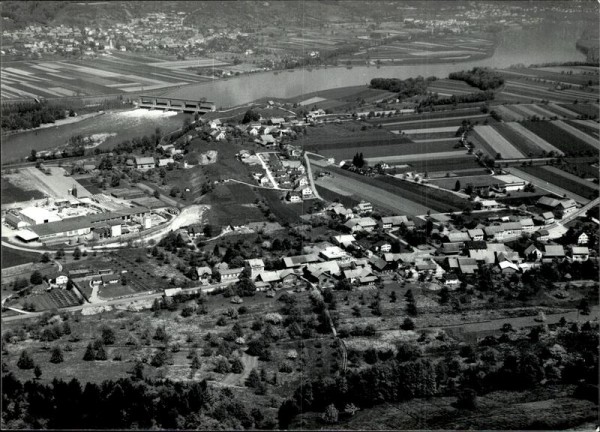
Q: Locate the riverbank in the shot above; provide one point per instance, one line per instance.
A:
(60, 122)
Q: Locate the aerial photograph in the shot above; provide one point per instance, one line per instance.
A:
(300, 215)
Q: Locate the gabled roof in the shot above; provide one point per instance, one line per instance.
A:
(394, 220)
(548, 215)
(475, 245)
(554, 251)
(530, 249)
(475, 232)
(144, 160)
(548, 201)
(580, 250)
(526, 222)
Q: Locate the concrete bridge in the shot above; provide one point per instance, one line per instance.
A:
(170, 104)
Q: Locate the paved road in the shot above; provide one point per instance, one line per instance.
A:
(311, 179)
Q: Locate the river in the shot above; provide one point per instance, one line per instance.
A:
(548, 42)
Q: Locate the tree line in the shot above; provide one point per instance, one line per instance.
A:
(405, 88)
(123, 404)
(497, 363)
(29, 115)
(482, 78)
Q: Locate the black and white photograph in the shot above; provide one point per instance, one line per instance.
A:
(338, 215)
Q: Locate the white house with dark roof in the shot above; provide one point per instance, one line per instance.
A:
(144, 163)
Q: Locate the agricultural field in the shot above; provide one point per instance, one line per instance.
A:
(550, 76)
(526, 146)
(341, 98)
(55, 299)
(496, 142)
(11, 193)
(448, 48)
(588, 139)
(586, 126)
(518, 89)
(110, 74)
(440, 113)
(14, 257)
(452, 165)
(476, 181)
(526, 138)
(380, 152)
(447, 87)
(560, 139)
(563, 179)
(590, 110)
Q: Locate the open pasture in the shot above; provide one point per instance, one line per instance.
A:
(557, 137)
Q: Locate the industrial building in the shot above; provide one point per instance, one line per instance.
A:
(83, 225)
(170, 104)
(38, 216)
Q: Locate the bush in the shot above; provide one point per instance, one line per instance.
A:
(25, 361)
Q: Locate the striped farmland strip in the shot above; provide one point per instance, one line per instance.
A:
(508, 114)
(527, 112)
(567, 112)
(543, 112)
(591, 123)
(430, 130)
(577, 133)
(530, 136)
(498, 142)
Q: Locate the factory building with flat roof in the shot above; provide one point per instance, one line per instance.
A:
(83, 225)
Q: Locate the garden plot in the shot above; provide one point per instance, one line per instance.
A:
(498, 142)
(577, 133)
(533, 138)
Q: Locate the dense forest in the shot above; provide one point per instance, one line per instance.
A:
(482, 78)
(127, 403)
(405, 88)
(29, 115)
(496, 363)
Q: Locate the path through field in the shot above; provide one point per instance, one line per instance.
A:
(250, 363)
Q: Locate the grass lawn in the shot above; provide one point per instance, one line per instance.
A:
(227, 210)
(283, 210)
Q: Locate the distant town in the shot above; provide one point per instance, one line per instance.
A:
(419, 251)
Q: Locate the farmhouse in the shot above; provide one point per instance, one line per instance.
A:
(364, 207)
(552, 252)
(255, 266)
(580, 253)
(361, 224)
(144, 163)
(165, 162)
(299, 260)
(230, 274)
(582, 239)
(110, 279)
(476, 234)
(490, 205)
(548, 218)
(389, 222)
(533, 253)
(344, 240)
